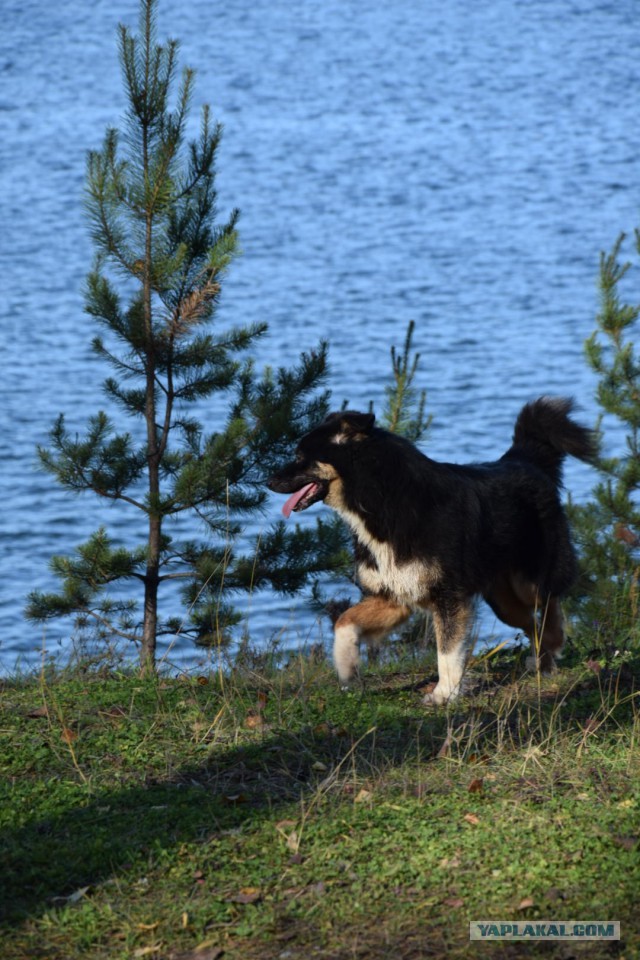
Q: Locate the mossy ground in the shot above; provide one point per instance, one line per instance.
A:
(265, 814)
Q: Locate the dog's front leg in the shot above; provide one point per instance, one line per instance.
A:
(371, 619)
(451, 620)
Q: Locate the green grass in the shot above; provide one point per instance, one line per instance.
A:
(267, 815)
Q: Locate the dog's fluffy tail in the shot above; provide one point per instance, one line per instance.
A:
(546, 434)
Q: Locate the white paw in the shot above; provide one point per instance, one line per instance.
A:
(355, 683)
(345, 653)
(439, 696)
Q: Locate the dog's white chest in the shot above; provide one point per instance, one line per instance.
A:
(409, 582)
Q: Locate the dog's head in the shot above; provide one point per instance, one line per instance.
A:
(320, 459)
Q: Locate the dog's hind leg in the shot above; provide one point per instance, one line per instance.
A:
(549, 641)
(371, 619)
(451, 620)
(517, 603)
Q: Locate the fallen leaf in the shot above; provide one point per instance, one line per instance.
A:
(454, 902)
(78, 895)
(472, 818)
(38, 712)
(285, 935)
(477, 785)
(526, 903)
(362, 796)
(208, 953)
(145, 951)
(253, 721)
(148, 926)
(113, 713)
(293, 841)
(246, 895)
(204, 953)
(68, 735)
(285, 825)
(319, 765)
(594, 665)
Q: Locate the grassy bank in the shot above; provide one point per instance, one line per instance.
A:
(267, 815)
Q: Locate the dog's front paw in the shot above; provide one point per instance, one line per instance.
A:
(439, 696)
(355, 683)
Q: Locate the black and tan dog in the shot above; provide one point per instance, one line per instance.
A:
(436, 535)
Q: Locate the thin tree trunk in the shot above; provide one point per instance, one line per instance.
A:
(150, 622)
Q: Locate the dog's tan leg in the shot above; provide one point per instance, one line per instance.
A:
(371, 619)
(514, 602)
(451, 622)
(518, 604)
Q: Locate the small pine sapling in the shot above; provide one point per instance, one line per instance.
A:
(154, 291)
(607, 528)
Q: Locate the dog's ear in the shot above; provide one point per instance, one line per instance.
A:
(353, 425)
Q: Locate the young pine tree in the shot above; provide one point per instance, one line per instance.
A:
(161, 260)
(608, 527)
(404, 409)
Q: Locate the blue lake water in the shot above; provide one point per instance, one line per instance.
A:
(458, 164)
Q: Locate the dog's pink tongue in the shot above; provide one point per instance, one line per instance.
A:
(295, 498)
